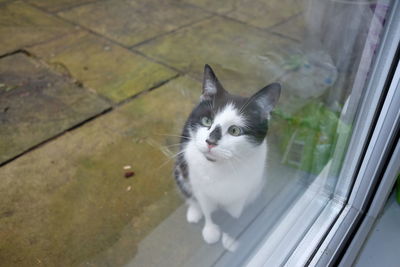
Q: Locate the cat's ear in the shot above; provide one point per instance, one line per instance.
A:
(267, 98)
(211, 86)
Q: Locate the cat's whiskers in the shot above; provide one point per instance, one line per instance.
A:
(237, 158)
(226, 154)
(233, 165)
(170, 158)
(248, 101)
(172, 145)
(211, 105)
(177, 154)
(175, 135)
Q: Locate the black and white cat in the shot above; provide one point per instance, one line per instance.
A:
(223, 150)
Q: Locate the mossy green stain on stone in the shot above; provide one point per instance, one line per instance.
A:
(235, 51)
(70, 199)
(264, 14)
(58, 5)
(110, 70)
(22, 25)
(294, 28)
(258, 13)
(132, 22)
(221, 7)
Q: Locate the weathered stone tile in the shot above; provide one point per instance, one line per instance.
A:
(68, 202)
(294, 28)
(36, 104)
(131, 22)
(58, 5)
(221, 7)
(260, 13)
(240, 54)
(112, 71)
(265, 13)
(22, 25)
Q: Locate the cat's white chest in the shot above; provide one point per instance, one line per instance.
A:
(230, 184)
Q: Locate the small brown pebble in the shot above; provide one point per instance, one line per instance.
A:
(129, 174)
(129, 188)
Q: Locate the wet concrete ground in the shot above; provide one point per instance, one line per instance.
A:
(88, 87)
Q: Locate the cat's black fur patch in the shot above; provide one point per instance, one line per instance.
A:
(214, 101)
(215, 135)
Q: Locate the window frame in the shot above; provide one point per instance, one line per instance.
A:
(375, 172)
(385, 78)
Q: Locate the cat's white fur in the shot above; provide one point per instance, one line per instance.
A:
(232, 181)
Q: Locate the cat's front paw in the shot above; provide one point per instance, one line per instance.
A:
(193, 214)
(211, 233)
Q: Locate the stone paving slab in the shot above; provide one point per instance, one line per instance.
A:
(264, 14)
(54, 6)
(132, 22)
(37, 104)
(259, 13)
(221, 7)
(294, 28)
(23, 25)
(239, 53)
(71, 198)
(112, 71)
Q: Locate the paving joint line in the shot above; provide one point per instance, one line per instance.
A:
(179, 72)
(137, 52)
(146, 91)
(99, 35)
(18, 51)
(133, 47)
(67, 73)
(172, 31)
(266, 30)
(55, 137)
(116, 106)
(285, 20)
(112, 107)
(69, 7)
(211, 12)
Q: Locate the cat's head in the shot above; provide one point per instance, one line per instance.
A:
(224, 125)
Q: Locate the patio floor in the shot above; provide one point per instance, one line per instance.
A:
(88, 87)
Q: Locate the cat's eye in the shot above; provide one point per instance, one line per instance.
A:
(206, 121)
(235, 130)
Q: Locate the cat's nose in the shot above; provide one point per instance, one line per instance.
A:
(211, 143)
(215, 135)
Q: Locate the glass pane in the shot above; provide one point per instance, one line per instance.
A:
(93, 99)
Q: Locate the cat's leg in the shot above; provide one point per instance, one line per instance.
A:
(193, 213)
(211, 232)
